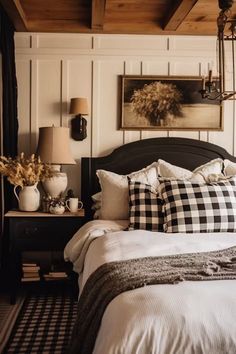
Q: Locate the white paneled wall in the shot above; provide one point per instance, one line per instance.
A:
(52, 68)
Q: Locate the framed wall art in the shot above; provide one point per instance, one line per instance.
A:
(166, 103)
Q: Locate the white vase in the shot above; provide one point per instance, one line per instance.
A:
(29, 198)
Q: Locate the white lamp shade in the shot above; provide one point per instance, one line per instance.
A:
(54, 146)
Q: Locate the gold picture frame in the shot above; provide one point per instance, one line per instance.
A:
(166, 103)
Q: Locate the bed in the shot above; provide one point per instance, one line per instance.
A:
(123, 307)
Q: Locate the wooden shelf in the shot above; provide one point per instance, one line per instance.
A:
(38, 214)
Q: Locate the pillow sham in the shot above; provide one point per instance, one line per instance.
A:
(115, 191)
(229, 168)
(166, 169)
(190, 207)
(212, 167)
(199, 175)
(145, 207)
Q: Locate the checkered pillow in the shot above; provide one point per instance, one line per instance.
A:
(191, 207)
(145, 211)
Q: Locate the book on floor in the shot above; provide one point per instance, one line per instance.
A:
(58, 274)
(30, 279)
(30, 274)
(29, 264)
(55, 276)
(30, 269)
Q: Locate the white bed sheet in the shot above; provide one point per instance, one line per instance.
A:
(189, 317)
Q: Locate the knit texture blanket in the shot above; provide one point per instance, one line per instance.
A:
(111, 279)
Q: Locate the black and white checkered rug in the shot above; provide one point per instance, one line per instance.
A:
(45, 323)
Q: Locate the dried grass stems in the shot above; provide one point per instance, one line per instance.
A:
(156, 101)
(23, 171)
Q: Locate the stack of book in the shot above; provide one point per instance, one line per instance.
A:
(30, 272)
(55, 276)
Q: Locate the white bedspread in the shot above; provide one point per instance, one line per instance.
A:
(189, 317)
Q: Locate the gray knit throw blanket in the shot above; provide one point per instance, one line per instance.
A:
(111, 279)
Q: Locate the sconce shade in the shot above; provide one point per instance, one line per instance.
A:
(54, 147)
(79, 105)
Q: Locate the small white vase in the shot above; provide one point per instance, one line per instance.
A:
(29, 198)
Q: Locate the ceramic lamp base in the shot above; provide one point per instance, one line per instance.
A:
(56, 185)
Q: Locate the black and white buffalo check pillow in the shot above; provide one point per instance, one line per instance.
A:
(145, 211)
(191, 207)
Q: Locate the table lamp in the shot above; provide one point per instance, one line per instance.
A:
(79, 107)
(53, 148)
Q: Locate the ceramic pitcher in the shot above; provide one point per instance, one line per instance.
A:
(28, 198)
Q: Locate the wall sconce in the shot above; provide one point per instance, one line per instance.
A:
(79, 107)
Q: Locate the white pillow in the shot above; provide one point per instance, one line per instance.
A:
(229, 168)
(115, 190)
(195, 178)
(166, 169)
(212, 167)
(199, 175)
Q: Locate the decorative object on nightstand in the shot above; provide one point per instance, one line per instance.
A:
(45, 203)
(74, 204)
(70, 194)
(25, 173)
(57, 206)
(79, 107)
(53, 148)
(29, 198)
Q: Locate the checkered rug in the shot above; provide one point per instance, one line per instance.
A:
(8, 316)
(44, 324)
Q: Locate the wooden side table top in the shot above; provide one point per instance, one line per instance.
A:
(38, 214)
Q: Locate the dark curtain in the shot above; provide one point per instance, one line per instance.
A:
(9, 99)
(9, 118)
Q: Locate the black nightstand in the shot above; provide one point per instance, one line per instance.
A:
(35, 231)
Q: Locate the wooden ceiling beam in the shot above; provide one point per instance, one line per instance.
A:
(98, 14)
(16, 13)
(178, 14)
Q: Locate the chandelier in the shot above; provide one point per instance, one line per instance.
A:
(219, 89)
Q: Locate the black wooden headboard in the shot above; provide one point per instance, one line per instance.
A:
(186, 153)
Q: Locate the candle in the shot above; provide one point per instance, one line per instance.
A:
(203, 83)
(210, 75)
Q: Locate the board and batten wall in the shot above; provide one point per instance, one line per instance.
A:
(52, 68)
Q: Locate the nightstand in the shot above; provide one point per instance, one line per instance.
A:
(36, 231)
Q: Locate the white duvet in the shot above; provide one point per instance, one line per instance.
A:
(189, 317)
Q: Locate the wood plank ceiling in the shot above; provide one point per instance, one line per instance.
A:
(194, 17)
